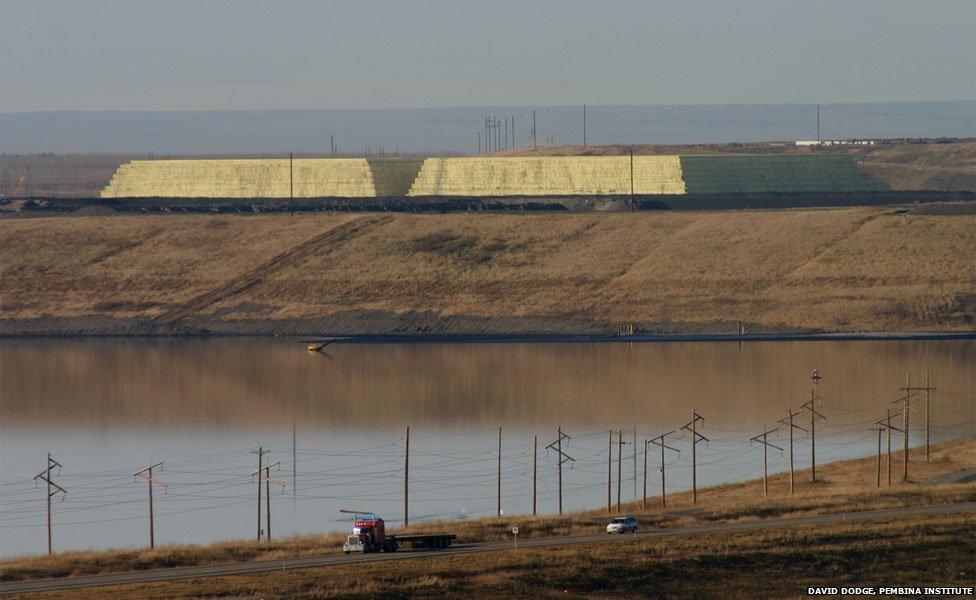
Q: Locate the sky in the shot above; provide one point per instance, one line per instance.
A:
(248, 54)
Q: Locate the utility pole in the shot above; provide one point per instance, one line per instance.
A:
(291, 183)
(620, 460)
(506, 133)
(886, 423)
(332, 143)
(632, 205)
(644, 497)
(928, 388)
(146, 473)
(789, 421)
(264, 473)
(610, 472)
(45, 476)
(479, 142)
(561, 457)
(499, 471)
(659, 441)
(909, 390)
(535, 137)
(634, 443)
(514, 143)
(880, 429)
(535, 468)
(906, 410)
(765, 445)
(814, 415)
(406, 479)
(818, 123)
(294, 456)
(260, 452)
(584, 127)
(692, 426)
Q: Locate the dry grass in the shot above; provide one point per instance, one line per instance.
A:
(843, 486)
(833, 270)
(773, 563)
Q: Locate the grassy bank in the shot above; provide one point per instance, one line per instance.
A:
(831, 270)
(759, 564)
(843, 486)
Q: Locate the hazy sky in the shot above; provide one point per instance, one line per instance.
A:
(234, 54)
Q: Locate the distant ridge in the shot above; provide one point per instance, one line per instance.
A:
(447, 131)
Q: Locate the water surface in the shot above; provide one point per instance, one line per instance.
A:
(106, 408)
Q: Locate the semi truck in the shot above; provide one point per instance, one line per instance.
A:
(369, 535)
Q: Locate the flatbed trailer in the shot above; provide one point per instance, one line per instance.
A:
(423, 541)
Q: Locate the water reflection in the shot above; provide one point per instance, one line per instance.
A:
(241, 383)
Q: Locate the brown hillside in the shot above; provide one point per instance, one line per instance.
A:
(836, 270)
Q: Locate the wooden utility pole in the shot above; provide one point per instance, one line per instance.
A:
(810, 405)
(818, 123)
(584, 127)
(886, 424)
(146, 473)
(610, 472)
(294, 456)
(535, 137)
(928, 388)
(634, 445)
(479, 142)
(879, 456)
(632, 205)
(644, 497)
(45, 476)
(692, 426)
(789, 422)
(906, 412)
(264, 473)
(907, 400)
(535, 467)
(659, 441)
(761, 438)
(620, 460)
(561, 457)
(406, 479)
(260, 452)
(499, 512)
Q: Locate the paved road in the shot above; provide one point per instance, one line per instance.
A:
(263, 566)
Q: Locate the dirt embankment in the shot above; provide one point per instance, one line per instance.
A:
(947, 166)
(690, 272)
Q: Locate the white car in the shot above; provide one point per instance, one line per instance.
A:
(622, 525)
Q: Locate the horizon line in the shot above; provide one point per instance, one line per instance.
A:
(474, 106)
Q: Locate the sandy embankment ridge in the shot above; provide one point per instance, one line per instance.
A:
(776, 271)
